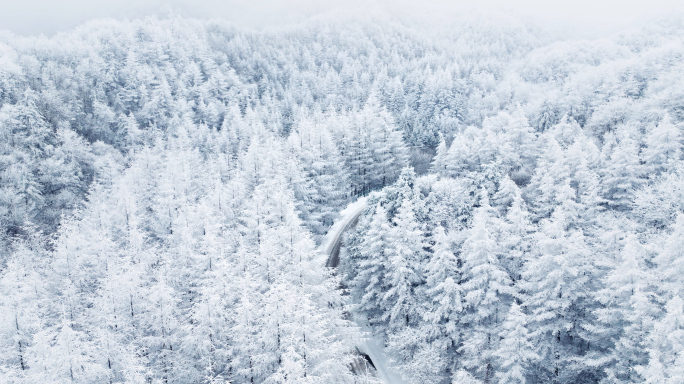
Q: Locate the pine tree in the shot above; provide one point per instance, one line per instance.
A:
(323, 189)
(519, 146)
(545, 117)
(404, 260)
(666, 345)
(160, 325)
(556, 280)
(657, 204)
(551, 172)
(128, 133)
(373, 148)
(464, 377)
(373, 266)
(516, 352)
(515, 236)
(625, 314)
(442, 301)
(439, 163)
(622, 175)
(670, 261)
(445, 296)
(583, 159)
(463, 155)
(246, 361)
(566, 131)
(487, 289)
(663, 146)
(20, 286)
(64, 353)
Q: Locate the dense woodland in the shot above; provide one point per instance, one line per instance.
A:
(165, 185)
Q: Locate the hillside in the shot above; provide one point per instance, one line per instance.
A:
(166, 186)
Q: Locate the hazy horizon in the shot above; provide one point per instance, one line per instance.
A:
(583, 17)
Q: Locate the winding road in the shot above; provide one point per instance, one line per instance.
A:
(370, 346)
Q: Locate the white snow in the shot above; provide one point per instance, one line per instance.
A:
(371, 344)
(348, 215)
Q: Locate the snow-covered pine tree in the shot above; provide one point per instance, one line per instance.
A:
(663, 146)
(556, 282)
(626, 314)
(515, 353)
(487, 290)
(439, 163)
(404, 267)
(666, 345)
(369, 284)
(622, 175)
(670, 261)
(443, 302)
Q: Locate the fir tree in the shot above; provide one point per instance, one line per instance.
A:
(516, 352)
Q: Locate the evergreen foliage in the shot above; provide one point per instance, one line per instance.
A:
(165, 185)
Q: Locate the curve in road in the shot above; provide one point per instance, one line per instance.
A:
(371, 346)
(350, 216)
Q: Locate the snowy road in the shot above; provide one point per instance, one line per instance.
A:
(350, 215)
(372, 346)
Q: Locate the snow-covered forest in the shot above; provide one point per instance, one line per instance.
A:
(166, 184)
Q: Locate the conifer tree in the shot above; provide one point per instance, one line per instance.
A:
(374, 265)
(404, 272)
(626, 313)
(670, 261)
(557, 280)
(439, 163)
(663, 146)
(444, 294)
(516, 352)
(666, 345)
(487, 289)
(64, 353)
(622, 175)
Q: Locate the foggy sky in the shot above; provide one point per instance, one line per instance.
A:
(34, 17)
